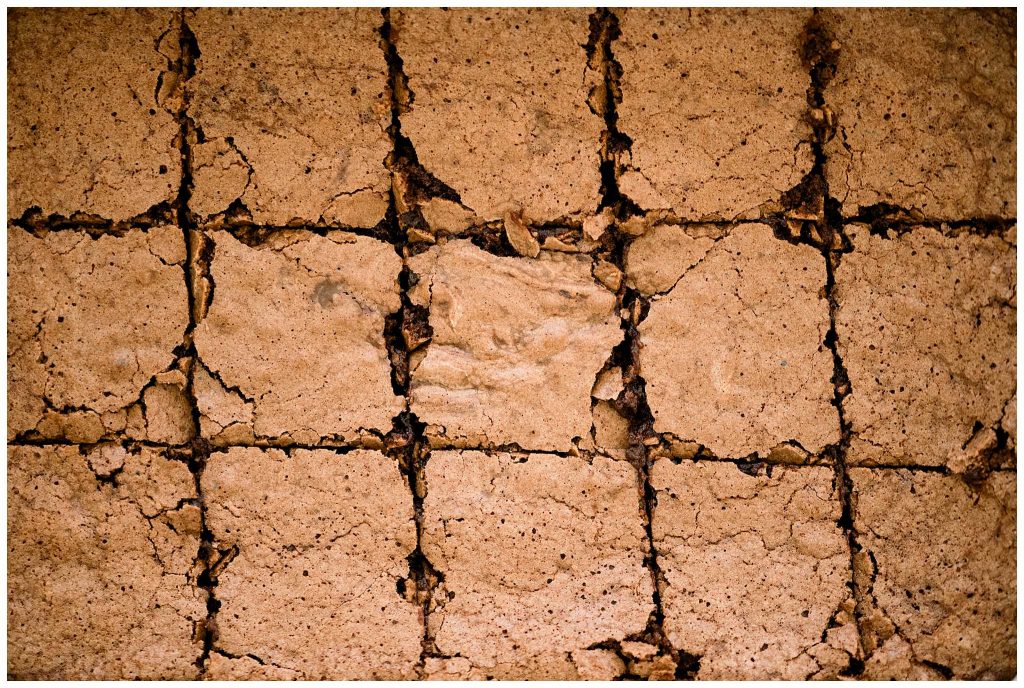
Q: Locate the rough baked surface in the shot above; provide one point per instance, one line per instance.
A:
(925, 101)
(467, 71)
(101, 545)
(319, 540)
(939, 565)
(516, 346)
(542, 557)
(73, 147)
(293, 343)
(926, 326)
(589, 343)
(93, 329)
(714, 103)
(732, 348)
(756, 568)
(293, 109)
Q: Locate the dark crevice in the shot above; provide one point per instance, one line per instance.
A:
(186, 67)
(748, 465)
(209, 561)
(603, 101)
(509, 448)
(1000, 456)
(809, 215)
(490, 236)
(820, 54)
(887, 221)
(256, 236)
(237, 214)
(942, 669)
(34, 221)
(632, 401)
(133, 446)
(405, 443)
(408, 329)
(412, 183)
(399, 359)
(288, 447)
(493, 241)
(201, 251)
(405, 330)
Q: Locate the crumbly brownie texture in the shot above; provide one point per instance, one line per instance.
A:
(925, 101)
(291, 112)
(511, 343)
(938, 569)
(101, 547)
(927, 329)
(713, 102)
(527, 69)
(517, 345)
(95, 327)
(318, 540)
(543, 557)
(751, 371)
(292, 343)
(756, 569)
(93, 98)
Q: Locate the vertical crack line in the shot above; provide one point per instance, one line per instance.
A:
(841, 385)
(398, 94)
(405, 330)
(820, 54)
(206, 558)
(603, 100)
(633, 307)
(411, 182)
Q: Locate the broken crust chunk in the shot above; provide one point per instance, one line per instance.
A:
(656, 260)
(611, 430)
(92, 124)
(714, 102)
(472, 68)
(927, 331)
(101, 565)
(756, 570)
(733, 353)
(293, 341)
(542, 556)
(293, 105)
(319, 540)
(517, 345)
(939, 564)
(93, 326)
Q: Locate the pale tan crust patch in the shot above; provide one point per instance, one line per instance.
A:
(92, 106)
(756, 569)
(939, 563)
(517, 345)
(294, 110)
(927, 330)
(542, 557)
(101, 565)
(319, 540)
